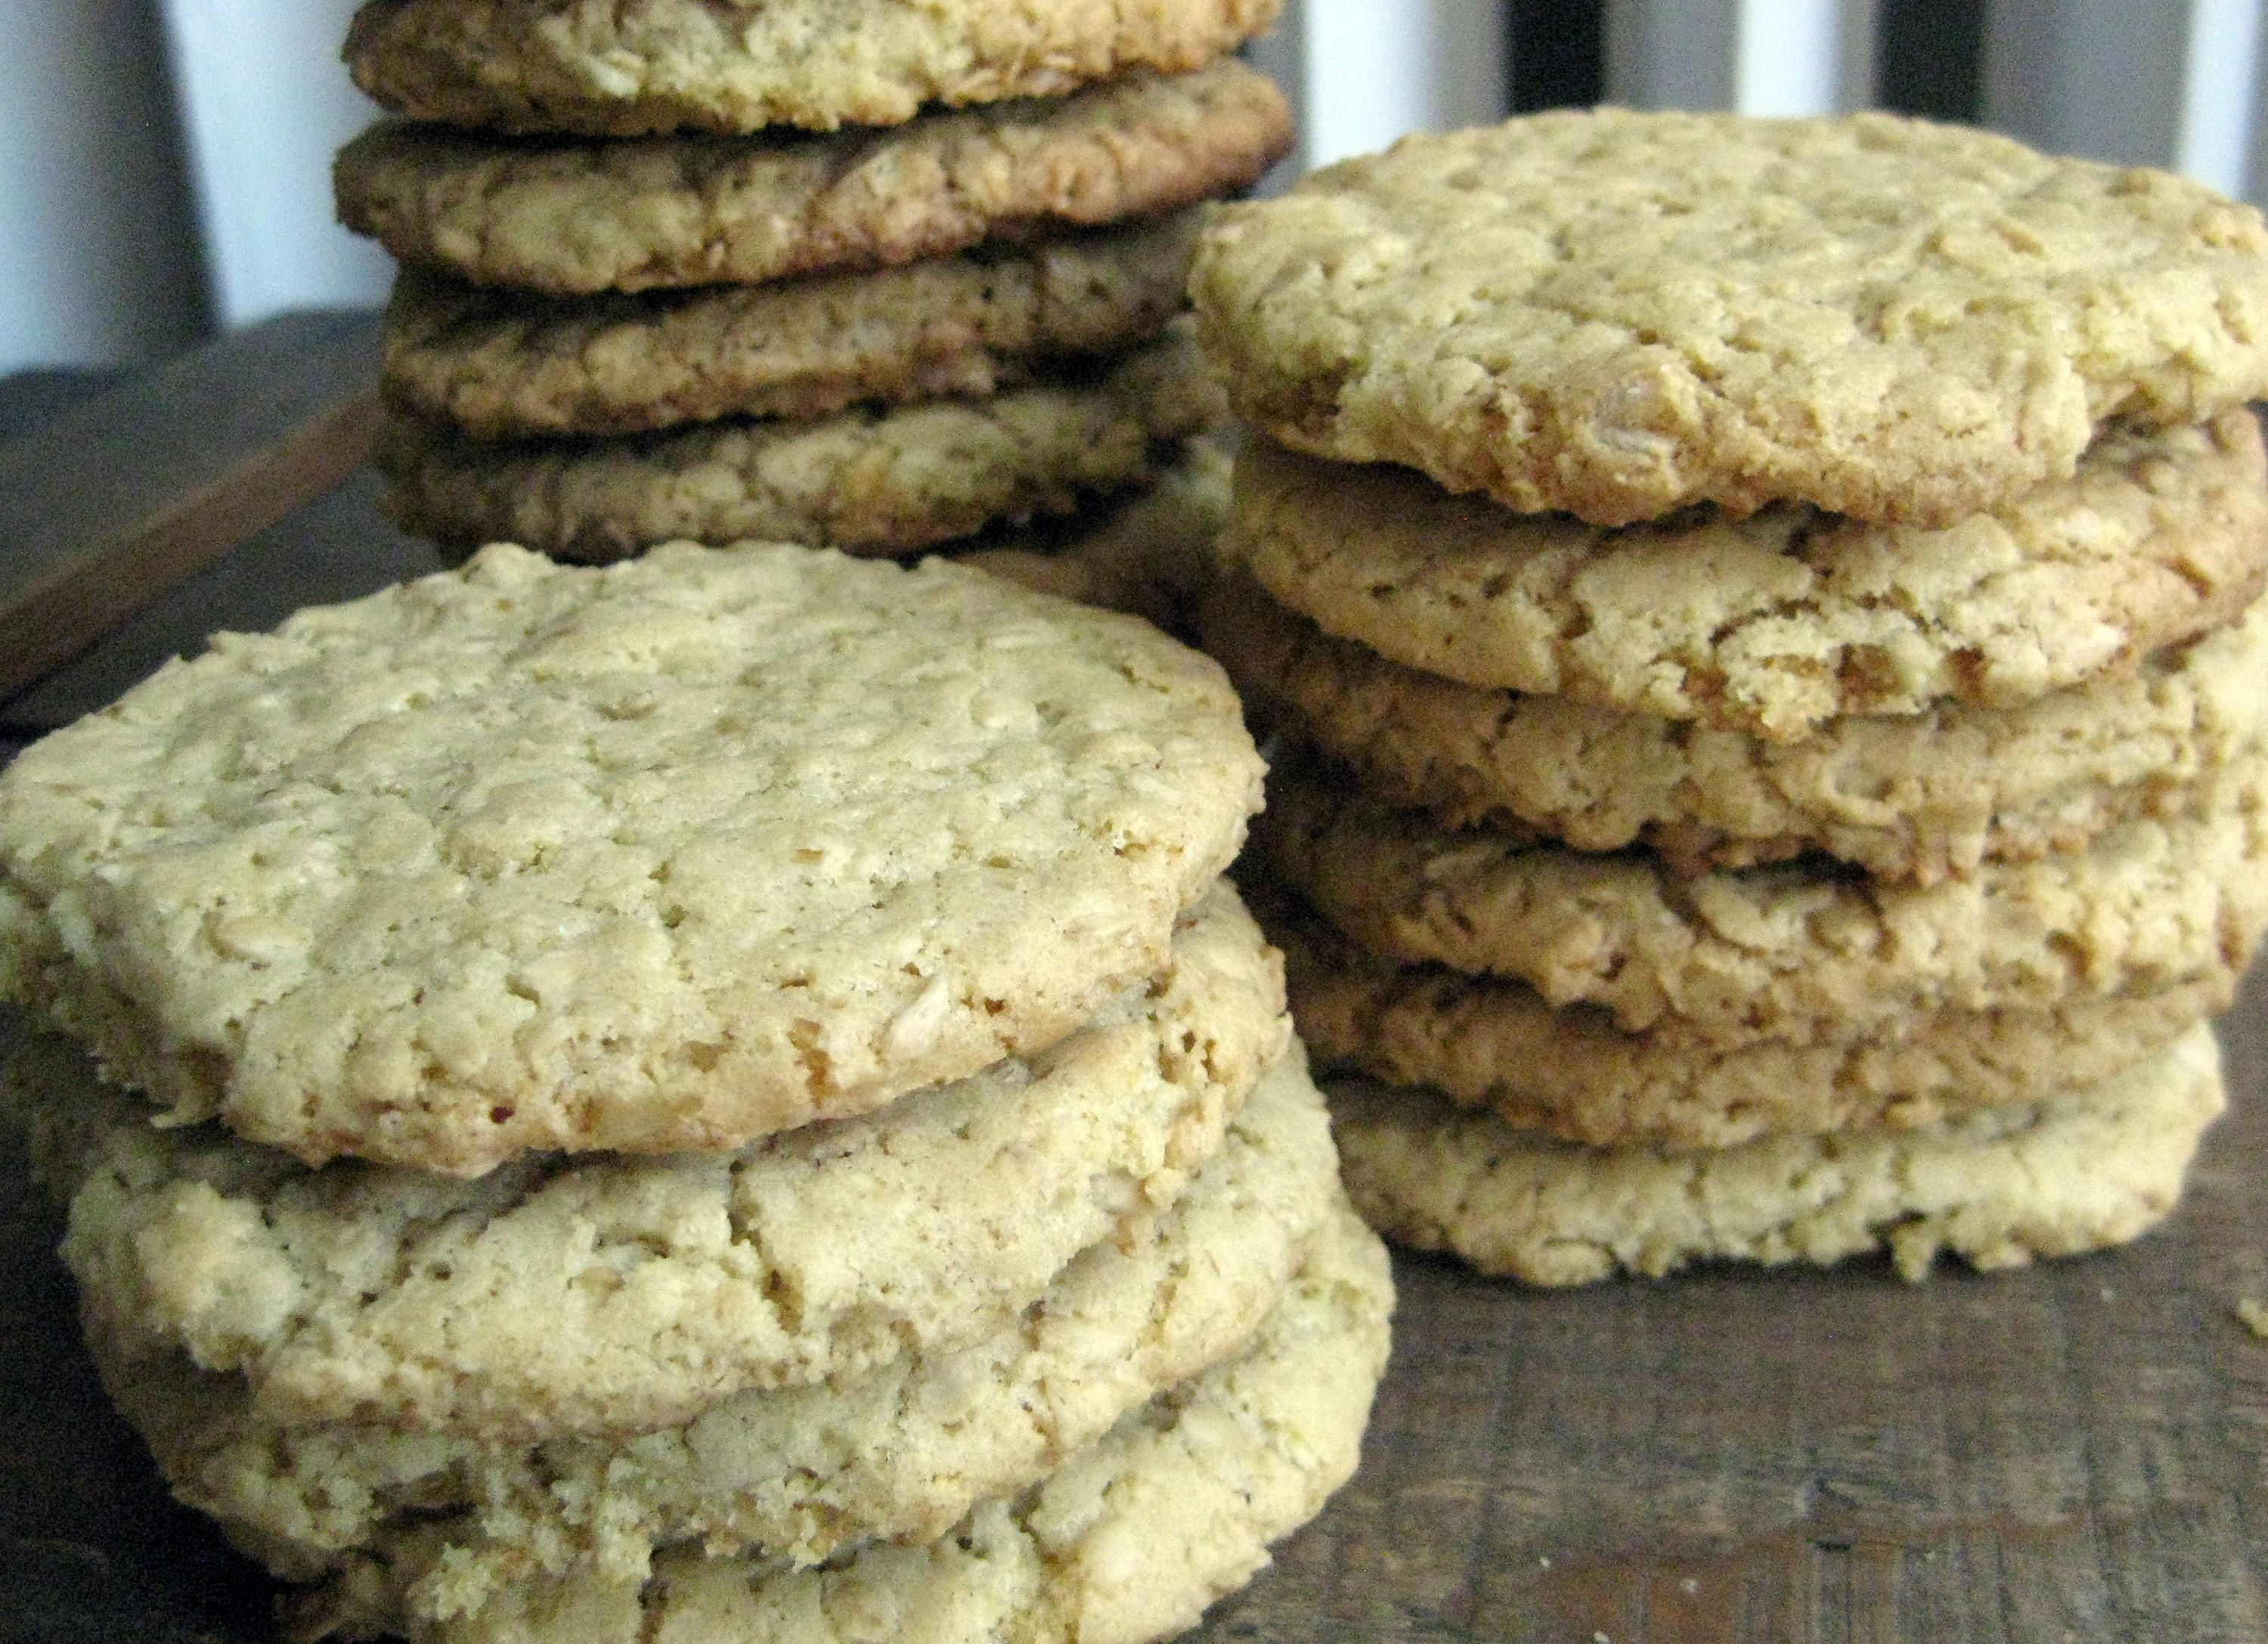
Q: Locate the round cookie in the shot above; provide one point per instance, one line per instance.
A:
(867, 480)
(619, 68)
(668, 856)
(1920, 797)
(1803, 953)
(2091, 1169)
(1570, 1073)
(795, 1473)
(559, 1295)
(1616, 315)
(501, 364)
(581, 217)
(1777, 623)
(1129, 1541)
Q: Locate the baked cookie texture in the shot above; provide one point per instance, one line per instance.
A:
(560, 1296)
(582, 217)
(796, 1473)
(1617, 315)
(869, 481)
(1571, 1073)
(2092, 1168)
(504, 364)
(1130, 1540)
(1922, 796)
(1777, 623)
(1803, 952)
(621, 67)
(528, 856)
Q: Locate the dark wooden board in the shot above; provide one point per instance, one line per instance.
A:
(2080, 1451)
(117, 499)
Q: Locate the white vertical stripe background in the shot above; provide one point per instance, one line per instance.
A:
(168, 163)
(265, 102)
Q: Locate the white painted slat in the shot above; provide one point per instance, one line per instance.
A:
(265, 102)
(97, 255)
(1757, 56)
(2218, 76)
(2171, 84)
(1364, 72)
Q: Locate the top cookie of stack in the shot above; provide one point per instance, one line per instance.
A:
(874, 276)
(1855, 527)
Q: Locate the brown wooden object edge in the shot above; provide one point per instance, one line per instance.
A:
(108, 506)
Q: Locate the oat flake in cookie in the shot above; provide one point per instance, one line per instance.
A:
(668, 856)
(618, 68)
(1779, 623)
(873, 480)
(2094, 1167)
(1617, 314)
(573, 216)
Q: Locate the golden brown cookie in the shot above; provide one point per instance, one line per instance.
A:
(569, 217)
(1570, 1073)
(1618, 314)
(502, 366)
(618, 68)
(868, 480)
(2094, 1167)
(1919, 796)
(1807, 952)
(1779, 622)
(671, 854)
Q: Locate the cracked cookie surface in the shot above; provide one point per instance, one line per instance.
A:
(532, 856)
(557, 1294)
(1568, 1072)
(1803, 952)
(868, 480)
(1923, 796)
(2090, 1169)
(569, 216)
(1778, 623)
(1618, 314)
(503, 365)
(793, 1473)
(1129, 1541)
(619, 68)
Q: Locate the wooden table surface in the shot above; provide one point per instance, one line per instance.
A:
(2078, 1452)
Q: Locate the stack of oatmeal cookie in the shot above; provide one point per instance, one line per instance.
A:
(722, 1096)
(872, 275)
(1772, 609)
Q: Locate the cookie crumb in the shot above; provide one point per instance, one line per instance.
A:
(2252, 1313)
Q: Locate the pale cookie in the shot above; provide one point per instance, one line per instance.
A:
(1571, 1073)
(619, 1294)
(874, 482)
(1617, 314)
(797, 1472)
(1779, 622)
(668, 856)
(2090, 1169)
(568, 216)
(1920, 797)
(499, 364)
(1129, 1541)
(1803, 953)
(619, 68)
(1152, 555)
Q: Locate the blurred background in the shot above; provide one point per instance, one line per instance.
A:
(168, 160)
